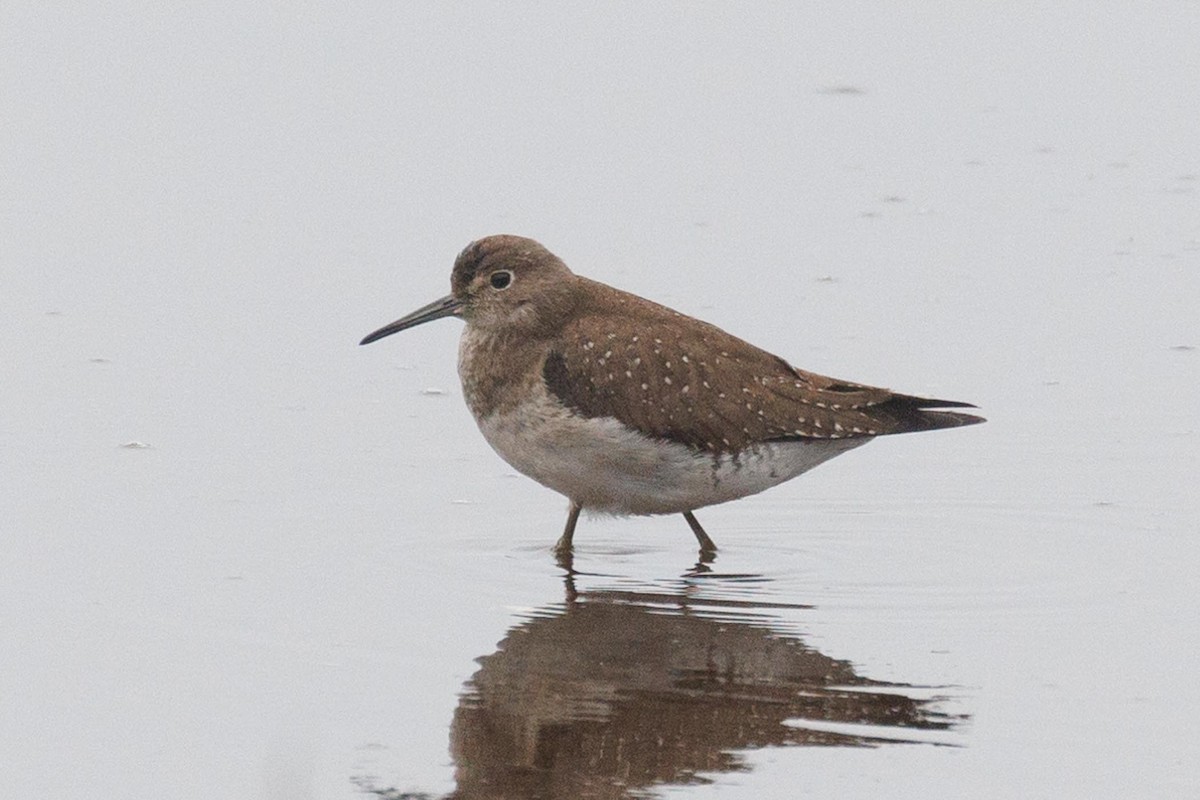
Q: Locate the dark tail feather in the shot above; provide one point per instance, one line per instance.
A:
(907, 414)
(932, 420)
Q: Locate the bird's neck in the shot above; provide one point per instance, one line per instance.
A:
(498, 370)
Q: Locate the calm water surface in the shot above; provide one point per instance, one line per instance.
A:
(241, 557)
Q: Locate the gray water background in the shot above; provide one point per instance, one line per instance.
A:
(241, 557)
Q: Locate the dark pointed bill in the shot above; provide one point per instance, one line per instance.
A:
(448, 306)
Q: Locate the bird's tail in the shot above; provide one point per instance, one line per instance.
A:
(909, 414)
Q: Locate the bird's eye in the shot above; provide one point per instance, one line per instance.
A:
(500, 279)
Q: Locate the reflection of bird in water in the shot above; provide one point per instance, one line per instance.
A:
(614, 692)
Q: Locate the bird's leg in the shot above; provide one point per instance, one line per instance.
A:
(564, 545)
(707, 545)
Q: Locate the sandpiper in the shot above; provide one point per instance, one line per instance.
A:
(628, 407)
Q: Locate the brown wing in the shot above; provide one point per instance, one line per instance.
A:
(677, 378)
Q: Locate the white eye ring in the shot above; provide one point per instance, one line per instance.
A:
(501, 279)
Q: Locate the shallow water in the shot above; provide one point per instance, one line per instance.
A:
(242, 557)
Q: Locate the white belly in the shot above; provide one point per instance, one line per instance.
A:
(604, 466)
